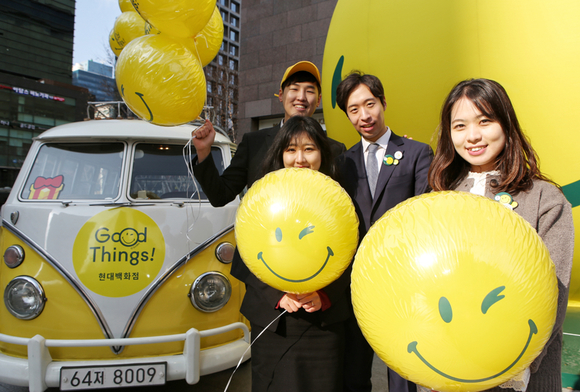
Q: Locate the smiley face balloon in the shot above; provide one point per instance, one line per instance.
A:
(161, 80)
(454, 291)
(296, 230)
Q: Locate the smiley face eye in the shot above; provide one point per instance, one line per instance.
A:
(278, 234)
(492, 298)
(308, 230)
(445, 310)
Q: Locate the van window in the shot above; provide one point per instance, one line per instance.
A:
(75, 171)
(160, 172)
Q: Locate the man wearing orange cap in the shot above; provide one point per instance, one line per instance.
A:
(278, 354)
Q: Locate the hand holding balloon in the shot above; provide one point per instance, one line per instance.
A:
(202, 139)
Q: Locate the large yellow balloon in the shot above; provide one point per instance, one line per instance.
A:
(179, 18)
(426, 47)
(160, 80)
(207, 43)
(128, 26)
(454, 291)
(296, 230)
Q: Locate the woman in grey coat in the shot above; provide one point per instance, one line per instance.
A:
(482, 150)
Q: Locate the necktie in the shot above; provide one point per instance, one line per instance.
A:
(372, 167)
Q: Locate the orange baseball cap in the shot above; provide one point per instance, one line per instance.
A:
(301, 66)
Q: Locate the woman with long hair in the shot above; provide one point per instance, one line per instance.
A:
(481, 149)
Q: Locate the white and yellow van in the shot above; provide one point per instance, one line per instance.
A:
(116, 267)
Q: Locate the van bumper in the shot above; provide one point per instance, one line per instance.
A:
(40, 372)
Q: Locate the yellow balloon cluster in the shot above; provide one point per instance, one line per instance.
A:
(296, 230)
(160, 80)
(146, 74)
(454, 291)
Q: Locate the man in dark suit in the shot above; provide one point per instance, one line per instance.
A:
(380, 171)
(300, 95)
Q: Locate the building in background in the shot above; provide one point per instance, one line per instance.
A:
(97, 78)
(275, 35)
(36, 91)
(222, 74)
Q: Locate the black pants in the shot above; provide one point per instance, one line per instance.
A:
(359, 363)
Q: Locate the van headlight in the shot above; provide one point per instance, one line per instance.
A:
(225, 252)
(24, 297)
(210, 292)
(13, 256)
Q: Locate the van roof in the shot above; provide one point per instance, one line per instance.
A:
(123, 130)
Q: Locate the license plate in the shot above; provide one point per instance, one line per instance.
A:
(114, 376)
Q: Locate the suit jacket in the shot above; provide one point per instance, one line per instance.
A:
(259, 304)
(395, 183)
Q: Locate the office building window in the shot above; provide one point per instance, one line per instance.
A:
(234, 21)
(233, 50)
(233, 64)
(234, 36)
(235, 7)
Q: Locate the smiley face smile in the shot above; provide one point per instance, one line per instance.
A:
(412, 348)
(329, 253)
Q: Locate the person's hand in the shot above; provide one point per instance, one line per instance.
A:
(289, 303)
(202, 139)
(410, 138)
(311, 302)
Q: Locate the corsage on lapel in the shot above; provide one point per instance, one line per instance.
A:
(393, 159)
(506, 200)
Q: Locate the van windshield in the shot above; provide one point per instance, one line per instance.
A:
(159, 172)
(72, 171)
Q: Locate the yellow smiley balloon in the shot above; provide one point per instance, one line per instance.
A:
(206, 44)
(128, 26)
(161, 80)
(296, 230)
(125, 5)
(454, 291)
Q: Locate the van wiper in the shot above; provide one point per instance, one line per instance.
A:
(122, 204)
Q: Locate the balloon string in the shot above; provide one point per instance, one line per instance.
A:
(187, 157)
(250, 346)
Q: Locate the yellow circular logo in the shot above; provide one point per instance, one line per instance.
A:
(118, 252)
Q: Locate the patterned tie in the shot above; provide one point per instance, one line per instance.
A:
(372, 167)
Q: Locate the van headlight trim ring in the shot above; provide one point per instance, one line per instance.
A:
(24, 297)
(210, 292)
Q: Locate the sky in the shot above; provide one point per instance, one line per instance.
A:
(94, 20)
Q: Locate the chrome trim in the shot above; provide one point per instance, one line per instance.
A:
(19, 255)
(156, 284)
(198, 280)
(220, 247)
(69, 278)
(38, 288)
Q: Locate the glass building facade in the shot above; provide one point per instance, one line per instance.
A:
(36, 91)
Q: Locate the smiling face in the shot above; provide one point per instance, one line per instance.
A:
(296, 230)
(450, 304)
(299, 99)
(366, 113)
(477, 139)
(302, 153)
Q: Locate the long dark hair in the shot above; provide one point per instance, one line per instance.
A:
(292, 128)
(518, 163)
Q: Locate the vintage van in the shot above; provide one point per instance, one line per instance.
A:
(116, 267)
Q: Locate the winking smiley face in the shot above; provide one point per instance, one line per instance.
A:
(296, 230)
(453, 300)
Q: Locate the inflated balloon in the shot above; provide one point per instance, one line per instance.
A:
(296, 230)
(125, 5)
(454, 291)
(116, 48)
(160, 80)
(179, 18)
(128, 26)
(207, 43)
